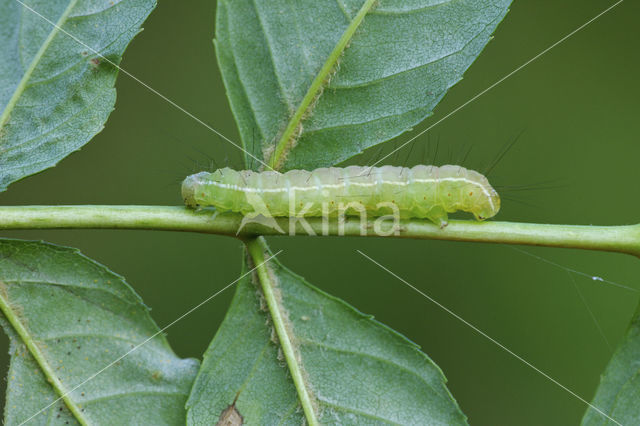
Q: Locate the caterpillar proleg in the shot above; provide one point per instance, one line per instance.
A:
(427, 192)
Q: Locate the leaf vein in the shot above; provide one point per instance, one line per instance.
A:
(376, 358)
(383, 11)
(54, 128)
(105, 336)
(343, 10)
(68, 286)
(360, 123)
(271, 57)
(119, 395)
(407, 70)
(359, 412)
(111, 5)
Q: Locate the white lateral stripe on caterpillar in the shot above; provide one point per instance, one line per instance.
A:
(359, 184)
(427, 191)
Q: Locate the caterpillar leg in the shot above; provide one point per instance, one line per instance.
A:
(201, 209)
(254, 217)
(438, 216)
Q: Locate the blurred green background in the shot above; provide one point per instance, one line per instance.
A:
(578, 106)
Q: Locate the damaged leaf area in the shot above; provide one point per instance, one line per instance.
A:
(69, 318)
(230, 417)
(314, 83)
(354, 369)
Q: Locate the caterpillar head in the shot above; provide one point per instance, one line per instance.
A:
(488, 206)
(190, 185)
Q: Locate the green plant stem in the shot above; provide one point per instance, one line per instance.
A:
(622, 239)
(270, 290)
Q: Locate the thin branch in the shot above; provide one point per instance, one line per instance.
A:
(622, 239)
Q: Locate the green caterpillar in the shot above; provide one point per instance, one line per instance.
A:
(427, 192)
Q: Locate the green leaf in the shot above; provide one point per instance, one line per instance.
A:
(69, 317)
(317, 82)
(618, 395)
(56, 93)
(355, 370)
(28, 390)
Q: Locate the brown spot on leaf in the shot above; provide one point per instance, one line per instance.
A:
(230, 417)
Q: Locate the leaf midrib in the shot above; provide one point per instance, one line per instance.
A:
(277, 312)
(20, 88)
(286, 141)
(38, 355)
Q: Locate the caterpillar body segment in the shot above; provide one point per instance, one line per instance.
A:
(428, 192)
